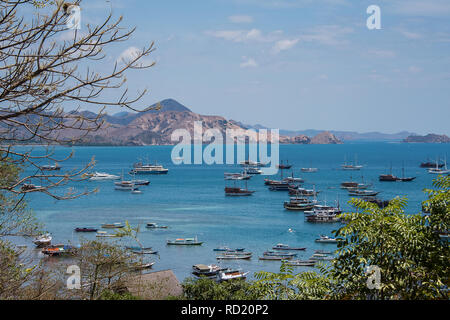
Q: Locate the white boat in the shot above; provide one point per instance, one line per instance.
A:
(43, 240)
(104, 234)
(140, 168)
(309, 169)
(438, 170)
(103, 176)
(326, 239)
(232, 274)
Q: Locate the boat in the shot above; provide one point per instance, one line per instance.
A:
(144, 251)
(236, 192)
(355, 166)
(249, 163)
(253, 170)
(138, 248)
(275, 258)
(104, 234)
(132, 183)
(405, 179)
(30, 187)
(279, 254)
(322, 252)
(349, 184)
(58, 250)
(388, 177)
(185, 242)
(309, 170)
(280, 187)
(323, 215)
(143, 266)
(202, 270)
(51, 167)
(380, 203)
(292, 179)
(362, 193)
(295, 190)
(237, 176)
(234, 256)
(430, 164)
(116, 225)
(438, 170)
(140, 168)
(227, 249)
(284, 166)
(86, 230)
(43, 240)
(326, 239)
(152, 225)
(97, 176)
(231, 274)
(299, 204)
(281, 246)
(126, 187)
(300, 263)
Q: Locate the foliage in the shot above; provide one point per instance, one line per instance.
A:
(208, 289)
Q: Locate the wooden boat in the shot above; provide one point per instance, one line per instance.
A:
(43, 240)
(429, 164)
(355, 166)
(279, 254)
(405, 179)
(349, 184)
(137, 248)
(144, 251)
(279, 187)
(86, 230)
(58, 250)
(300, 263)
(326, 239)
(104, 234)
(249, 163)
(296, 204)
(185, 242)
(130, 183)
(322, 257)
(234, 191)
(51, 167)
(227, 249)
(201, 270)
(388, 178)
(237, 176)
(230, 274)
(275, 258)
(281, 246)
(152, 225)
(234, 256)
(284, 166)
(303, 192)
(116, 225)
(362, 193)
(322, 216)
(143, 266)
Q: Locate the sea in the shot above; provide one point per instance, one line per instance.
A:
(190, 200)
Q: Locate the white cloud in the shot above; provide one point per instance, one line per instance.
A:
(414, 69)
(131, 54)
(327, 34)
(241, 19)
(248, 63)
(421, 7)
(282, 45)
(253, 35)
(411, 35)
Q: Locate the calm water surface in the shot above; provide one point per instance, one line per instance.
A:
(190, 200)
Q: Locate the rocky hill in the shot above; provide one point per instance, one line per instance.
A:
(155, 127)
(429, 138)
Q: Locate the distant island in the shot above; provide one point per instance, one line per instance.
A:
(429, 138)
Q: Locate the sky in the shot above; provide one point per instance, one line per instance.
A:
(294, 64)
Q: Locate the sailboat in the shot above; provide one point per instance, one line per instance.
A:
(355, 166)
(388, 177)
(236, 191)
(310, 169)
(403, 178)
(438, 170)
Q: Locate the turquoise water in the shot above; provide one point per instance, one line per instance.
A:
(190, 200)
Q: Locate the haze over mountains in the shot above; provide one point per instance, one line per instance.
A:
(155, 127)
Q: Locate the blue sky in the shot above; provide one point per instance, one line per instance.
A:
(295, 64)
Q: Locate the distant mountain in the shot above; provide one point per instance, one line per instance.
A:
(429, 138)
(341, 135)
